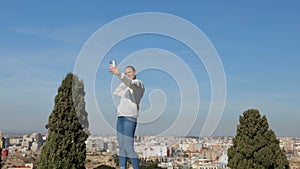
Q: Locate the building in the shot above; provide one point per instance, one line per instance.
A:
(15, 141)
(96, 145)
(296, 148)
(138, 139)
(89, 145)
(1, 142)
(208, 167)
(27, 141)
(111, 147)
(151, 151)
(166, 165)
(26, 166)
(37, 137)
(37, 142)
(223, 161)
(4, 153)
(286, 143)
(184, 146)
(35, 147)
(5, 142)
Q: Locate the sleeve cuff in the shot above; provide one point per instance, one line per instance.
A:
(122, 75)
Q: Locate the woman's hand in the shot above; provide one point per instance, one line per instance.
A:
(114, 70)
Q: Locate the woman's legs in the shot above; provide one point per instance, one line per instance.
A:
(120, 135)
(126, 128)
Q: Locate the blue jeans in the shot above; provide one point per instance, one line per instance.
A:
(125, 135)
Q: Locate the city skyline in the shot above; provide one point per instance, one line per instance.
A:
(212, 150)
(256, 43)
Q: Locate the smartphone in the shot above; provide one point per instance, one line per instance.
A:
(112, 63)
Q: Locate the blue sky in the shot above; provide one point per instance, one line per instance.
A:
(257, 42)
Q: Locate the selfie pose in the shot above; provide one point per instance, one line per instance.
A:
(130, 91)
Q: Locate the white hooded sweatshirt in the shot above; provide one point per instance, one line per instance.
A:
(130, 93)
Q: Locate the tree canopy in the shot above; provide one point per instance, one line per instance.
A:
(255, 145)
(67, 125)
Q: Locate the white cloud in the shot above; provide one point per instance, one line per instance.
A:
(238, 79)
(72, 34)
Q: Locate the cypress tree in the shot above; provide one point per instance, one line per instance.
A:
(67, 125)
(255, 145)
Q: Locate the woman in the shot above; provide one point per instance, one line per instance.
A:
(130, 92)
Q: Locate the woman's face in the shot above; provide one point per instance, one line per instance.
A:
(129, 72)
